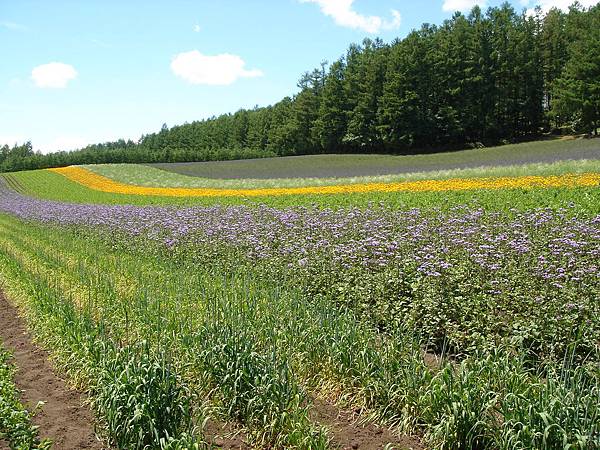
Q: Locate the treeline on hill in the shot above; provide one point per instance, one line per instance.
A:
(480, 78)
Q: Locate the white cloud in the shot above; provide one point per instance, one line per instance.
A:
(13, 26)
(342, 13)
(53, 75)
(197, 28)
(223, 69)
(547, 5)
(462, 5)
(100, 43)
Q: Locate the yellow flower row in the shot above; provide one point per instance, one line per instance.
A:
(101, 183)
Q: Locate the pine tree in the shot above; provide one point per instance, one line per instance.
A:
(577, 91)
(330, 125)
(362, 131)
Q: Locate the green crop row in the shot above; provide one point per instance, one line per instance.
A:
(144, 330)
(101, 344)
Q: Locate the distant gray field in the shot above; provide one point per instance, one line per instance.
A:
(352, 165)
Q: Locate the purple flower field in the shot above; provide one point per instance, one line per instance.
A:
(559, 248)
(368, 299)
(455, 275)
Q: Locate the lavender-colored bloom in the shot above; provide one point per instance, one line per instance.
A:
(541, 245)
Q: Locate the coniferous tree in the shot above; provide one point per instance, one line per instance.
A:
(577, 91)
(331, 124)
(368, 79)
(554, 46)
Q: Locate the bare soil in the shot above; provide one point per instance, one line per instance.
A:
(62, 418)
(347, 434)
(223, 436)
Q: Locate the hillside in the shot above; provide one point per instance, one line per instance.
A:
(359, 165)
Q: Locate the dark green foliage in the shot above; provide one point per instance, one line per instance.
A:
(330, 126)
(577, 90)
(482, 78)
(16, 158)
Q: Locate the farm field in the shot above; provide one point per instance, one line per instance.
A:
(15, 420)
(436, 319)
(396, 249)
(51, 185)
(143, 175)
(348, 165)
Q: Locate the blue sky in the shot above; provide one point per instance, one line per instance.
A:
(83, 71)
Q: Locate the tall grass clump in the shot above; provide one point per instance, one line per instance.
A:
(259, 390)
(140, 397)
(557, 412)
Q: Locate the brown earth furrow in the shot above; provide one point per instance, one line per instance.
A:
(62, 418)
(347, 434)
(223, 436)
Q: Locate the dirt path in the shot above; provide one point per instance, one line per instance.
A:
(224, 437)
(346, 434)
(62, 418)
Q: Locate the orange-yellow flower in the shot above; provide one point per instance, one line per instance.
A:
(100, 183)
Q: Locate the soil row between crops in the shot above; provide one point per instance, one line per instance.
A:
(66, 420)
(63, 418)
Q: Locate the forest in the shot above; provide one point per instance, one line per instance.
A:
(478, 79)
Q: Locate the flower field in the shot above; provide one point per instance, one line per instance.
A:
(150, 176)
(341, 166)
(98, 182)
(472, 323)
(48, 185)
